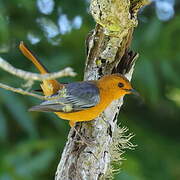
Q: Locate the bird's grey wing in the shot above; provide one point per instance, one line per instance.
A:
(73, 97)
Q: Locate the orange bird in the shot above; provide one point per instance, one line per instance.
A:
(79, 101)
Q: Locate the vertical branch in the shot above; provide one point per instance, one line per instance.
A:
(108, 52)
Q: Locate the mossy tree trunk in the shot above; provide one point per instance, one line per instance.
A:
(107, 52)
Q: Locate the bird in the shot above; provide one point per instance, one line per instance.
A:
(79, 101)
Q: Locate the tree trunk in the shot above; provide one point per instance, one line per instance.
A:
(108, 52)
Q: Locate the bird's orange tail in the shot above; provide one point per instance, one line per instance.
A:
(27, 53)
(49, 87)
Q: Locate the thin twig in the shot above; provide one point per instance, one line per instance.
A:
(34, 76)
(21, 91)
(24, 92)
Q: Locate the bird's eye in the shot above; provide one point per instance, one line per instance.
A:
(120, 85)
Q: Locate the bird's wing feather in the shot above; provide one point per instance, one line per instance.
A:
(73, 97)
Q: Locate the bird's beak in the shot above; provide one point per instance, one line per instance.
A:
(133, 91)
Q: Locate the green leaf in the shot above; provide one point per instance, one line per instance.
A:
(36, 164)
(3, 126)
(18, 110)
(148, 80)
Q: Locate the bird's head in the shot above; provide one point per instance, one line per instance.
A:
(117, 85)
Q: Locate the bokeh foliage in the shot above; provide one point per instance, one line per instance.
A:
(31, 143)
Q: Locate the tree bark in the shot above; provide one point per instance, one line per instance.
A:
(107, 52)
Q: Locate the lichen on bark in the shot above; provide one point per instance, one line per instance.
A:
(113, 15)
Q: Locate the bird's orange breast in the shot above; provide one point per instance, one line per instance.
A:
(87, 114)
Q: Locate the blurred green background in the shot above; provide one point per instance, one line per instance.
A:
(31, 143)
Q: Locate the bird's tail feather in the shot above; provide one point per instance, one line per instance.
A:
(27, 53)
(49, 87)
